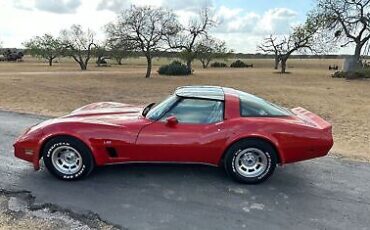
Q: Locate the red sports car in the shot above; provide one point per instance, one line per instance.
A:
(246, 135)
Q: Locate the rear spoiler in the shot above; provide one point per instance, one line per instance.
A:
(311, 118)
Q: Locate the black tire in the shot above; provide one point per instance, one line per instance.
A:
(86, 165)
(231, 160)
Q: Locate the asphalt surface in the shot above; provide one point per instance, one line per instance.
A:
(326, 193)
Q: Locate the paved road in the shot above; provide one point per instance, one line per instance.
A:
(321, 194)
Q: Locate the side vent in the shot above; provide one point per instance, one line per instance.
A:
(112, 152)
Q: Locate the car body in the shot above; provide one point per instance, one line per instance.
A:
(197, 124)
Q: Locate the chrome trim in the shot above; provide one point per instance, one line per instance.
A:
(163, 162)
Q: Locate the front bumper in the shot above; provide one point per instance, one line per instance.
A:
(27, 147)
(28, 151)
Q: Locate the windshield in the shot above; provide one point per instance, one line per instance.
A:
(159, 110)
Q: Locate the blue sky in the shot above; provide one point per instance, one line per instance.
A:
(243, 23)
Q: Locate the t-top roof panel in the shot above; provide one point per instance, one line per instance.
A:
(203, 92)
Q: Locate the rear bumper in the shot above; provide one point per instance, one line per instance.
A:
(306, 148)
(313, 138)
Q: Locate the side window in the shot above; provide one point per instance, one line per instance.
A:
(197, 111)
(256, 107)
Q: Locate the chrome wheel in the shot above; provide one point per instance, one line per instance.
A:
(250, 162)
(66, 160)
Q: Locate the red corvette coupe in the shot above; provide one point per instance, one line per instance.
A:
(218, 126)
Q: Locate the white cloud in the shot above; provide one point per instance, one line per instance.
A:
(278, 20)
(58, 6)
(25, 24)
(23, 5)
(187, 5)
(243, 30)
(227, 13)
(237, 20)
(113, 5)
(119, 5)
(240, 23)
(55, 6)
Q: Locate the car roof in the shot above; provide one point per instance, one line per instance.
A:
(202, 92)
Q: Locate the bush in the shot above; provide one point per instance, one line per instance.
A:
(358, 74)
(218, 65)
(176, 68)
(240, 64)
(339, 74)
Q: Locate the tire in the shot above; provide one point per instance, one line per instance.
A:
(67, 158)
(250, 161)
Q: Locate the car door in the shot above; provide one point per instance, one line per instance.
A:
(192, 130)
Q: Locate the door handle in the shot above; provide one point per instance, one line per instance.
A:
(218, 126)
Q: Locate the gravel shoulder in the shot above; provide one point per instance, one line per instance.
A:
(18, 211)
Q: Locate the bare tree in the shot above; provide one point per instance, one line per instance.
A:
(146, 28)
(120, 49)
(271, 45)
(100, 52)
(186, 40)
(209, 49)
(78, 44)
(117, 52)
(46, 47)
(348, 19)
(304, 38)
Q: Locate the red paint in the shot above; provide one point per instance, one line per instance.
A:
(135, 138)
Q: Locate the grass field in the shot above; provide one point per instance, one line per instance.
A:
(33, 87)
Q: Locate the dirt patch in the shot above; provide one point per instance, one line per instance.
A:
(33, 87)
(18, 211)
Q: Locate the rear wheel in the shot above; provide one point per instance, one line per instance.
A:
(67, 158)
(250, 161)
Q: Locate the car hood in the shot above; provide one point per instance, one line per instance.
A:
(105, 112)
(104, 108)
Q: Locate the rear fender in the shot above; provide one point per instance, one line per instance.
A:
(269, 139)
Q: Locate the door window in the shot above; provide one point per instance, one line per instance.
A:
(197, 111)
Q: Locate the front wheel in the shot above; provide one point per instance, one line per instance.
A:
(67, 158)
(250, 161)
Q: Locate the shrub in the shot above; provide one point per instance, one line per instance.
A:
(176, 68)
(218, 65)
(358, 74)
(240, 64)
(339, 74)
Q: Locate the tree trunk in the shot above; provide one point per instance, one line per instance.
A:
(51, 61)
(82, 65)
(283, 65)
(79, 60)
(207, 62)
(119, 61)
(86, 62)
(277, 61)
(357, 54)
(98, 62)
(204, 65)
(189, 65)
(149, 67)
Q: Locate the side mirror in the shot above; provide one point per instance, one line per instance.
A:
(172, 121)
(147, 109)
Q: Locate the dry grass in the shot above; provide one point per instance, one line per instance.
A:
(34, 87)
